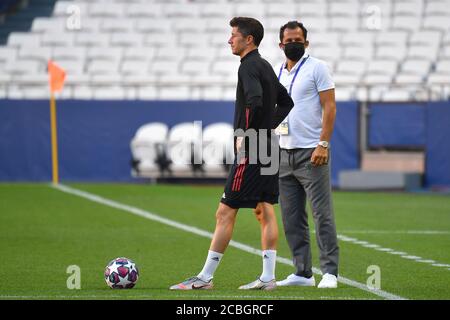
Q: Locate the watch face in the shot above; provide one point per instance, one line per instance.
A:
(324, 144)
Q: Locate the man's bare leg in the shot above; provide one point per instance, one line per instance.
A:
(225, 219)
(265, 214)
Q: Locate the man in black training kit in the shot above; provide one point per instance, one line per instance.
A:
(261, 103)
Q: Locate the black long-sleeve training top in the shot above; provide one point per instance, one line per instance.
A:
(261, 101)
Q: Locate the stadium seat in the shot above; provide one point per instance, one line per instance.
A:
(39, 54)
(177, 92)
(143, 54)
(24, 66)
(179, 40)
(91, 39)
(399, 95)
(109, 93)
(82, 92)
(154, 25)
(249, 10)
(133, 67)
(277, 10)
(105, 10)
(193, 67)
(182, 141)
(217, 148)
(351, 67)
(406, 23)
(344, 93)
(126, 40)
(69, 53)
(390, 52)
(143, 10)
(147, 93)
(100, 66)
(149, 140)
(48, 25)
(104, 53)
(181, 10)
(437, 8)
(408, 8)
(7, 54)
(113, 25)
(419, 67)
(24, 39)
(436, 22)
(348, 9)
(216, 10)
(312, 9)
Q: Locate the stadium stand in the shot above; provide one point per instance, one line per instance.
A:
(132, 49)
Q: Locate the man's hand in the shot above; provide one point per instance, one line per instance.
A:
(319, 156)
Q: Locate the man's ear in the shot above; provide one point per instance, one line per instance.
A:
(281, 45)
(250, 39)
(306, 44)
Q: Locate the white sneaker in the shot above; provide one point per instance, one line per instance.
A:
(328, 281)
(258, 284)
(294, 280)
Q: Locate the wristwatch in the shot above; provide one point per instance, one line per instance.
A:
(324, 144)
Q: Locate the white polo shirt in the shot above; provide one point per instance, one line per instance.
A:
(305, 119)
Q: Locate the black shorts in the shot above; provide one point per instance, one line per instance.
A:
(246, 187)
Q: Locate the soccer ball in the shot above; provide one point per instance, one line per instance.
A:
(121, 273)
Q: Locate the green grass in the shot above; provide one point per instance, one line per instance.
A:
(43, 231)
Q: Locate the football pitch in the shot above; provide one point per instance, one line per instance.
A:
(401, 239)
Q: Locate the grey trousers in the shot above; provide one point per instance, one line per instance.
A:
(299, 181)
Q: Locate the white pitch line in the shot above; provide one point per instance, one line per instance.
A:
(206, 234)
(402, 254)
(418, 232)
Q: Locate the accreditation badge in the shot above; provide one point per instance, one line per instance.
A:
(282, 129)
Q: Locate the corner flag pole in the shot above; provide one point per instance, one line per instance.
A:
(54, 139)
(57, 76)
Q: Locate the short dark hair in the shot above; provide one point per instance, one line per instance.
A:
(249, 27)
(293, 25)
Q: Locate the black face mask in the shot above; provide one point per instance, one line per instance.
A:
(294, 50)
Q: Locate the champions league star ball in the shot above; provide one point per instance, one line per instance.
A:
(121, 273)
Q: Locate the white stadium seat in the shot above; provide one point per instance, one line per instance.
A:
(143, 10)
(134, 67)
(106, 10)
(7, 54)
(39, 54)
(69, 53)
(443, 67)
(44, 24)
(91, 39)
(24, 39)
(126, 40)
(140, 42)
(420, 67)
(144, 144)
(113, 25)
(57, 39)
(181, 136)
(217, 146)
(208, 10)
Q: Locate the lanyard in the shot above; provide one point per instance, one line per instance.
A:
(295, 75)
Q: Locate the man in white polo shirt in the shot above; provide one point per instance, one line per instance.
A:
(305, 151)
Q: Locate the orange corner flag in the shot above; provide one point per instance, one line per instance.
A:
(57, 75)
